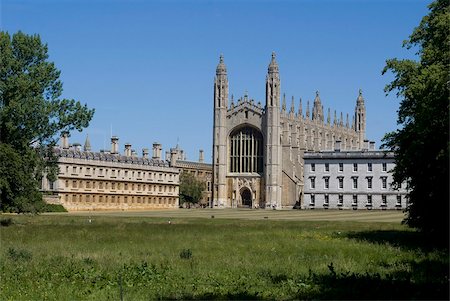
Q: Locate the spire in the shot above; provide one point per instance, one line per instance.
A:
(273, 66)
(283, 107)
(292, 106)
(87, 144)
(307, 109)
(328, 117)
(353, 122)
(341, 121)
(232, 100)
(346, 123)
(317, 113)
(221, 68)
(360, 99)
(300, 112)
(335, 118)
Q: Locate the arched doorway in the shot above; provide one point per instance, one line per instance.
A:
(246, 198)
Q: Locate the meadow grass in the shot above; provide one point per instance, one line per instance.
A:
(106, 256)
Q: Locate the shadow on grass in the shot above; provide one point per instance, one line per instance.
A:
(364, 287)
(410, 240)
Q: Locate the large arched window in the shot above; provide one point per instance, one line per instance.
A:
(246, 151)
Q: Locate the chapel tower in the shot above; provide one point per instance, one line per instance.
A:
(220, 134)
(360, 119)
(273, 149)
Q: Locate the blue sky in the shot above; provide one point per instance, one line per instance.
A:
(147, 67)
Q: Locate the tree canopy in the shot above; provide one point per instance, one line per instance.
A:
(191, 189)
(32, 117)
(421, 143)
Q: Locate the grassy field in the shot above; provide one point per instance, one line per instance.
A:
(240, 254)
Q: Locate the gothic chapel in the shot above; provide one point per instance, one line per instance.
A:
(258, 151)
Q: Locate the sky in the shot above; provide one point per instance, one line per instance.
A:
(148, 67)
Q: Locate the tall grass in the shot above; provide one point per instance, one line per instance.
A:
(98, 258)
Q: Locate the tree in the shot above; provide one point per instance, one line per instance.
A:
(32, 117)
(421, 143)
(191, 189)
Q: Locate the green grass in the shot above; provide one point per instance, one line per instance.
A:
(106, 256)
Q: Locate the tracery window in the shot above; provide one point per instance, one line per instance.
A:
(246, 151)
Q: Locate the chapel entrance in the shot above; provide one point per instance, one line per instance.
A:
(246, 197)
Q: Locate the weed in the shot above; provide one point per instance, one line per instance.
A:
(186, 254)
(19, 255)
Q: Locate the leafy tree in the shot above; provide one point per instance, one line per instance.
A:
(191, 189)
(32, 117)
(421, 143)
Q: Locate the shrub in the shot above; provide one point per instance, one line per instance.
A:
(5, 222)
(19, 255)
(186, 254)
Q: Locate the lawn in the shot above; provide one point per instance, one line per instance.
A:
(257, 255)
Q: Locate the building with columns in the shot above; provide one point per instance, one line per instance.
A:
(258, 150)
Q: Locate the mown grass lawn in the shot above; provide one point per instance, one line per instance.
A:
(99, 257)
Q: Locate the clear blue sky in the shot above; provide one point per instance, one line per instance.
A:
(147, 67)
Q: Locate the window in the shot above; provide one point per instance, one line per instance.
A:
(369, 182)
(384, 182)
(88, 171)
(313, 167)
(355, 182)
(312, 201)
(327, 166)
(383, 201)
(340, 200)
(355, 167)
(327, 182)
(341, 182)
(327, 200)
(399, 201)
(313, 182)
(369, 166)
(341, 166)
(246, 151)
(384, 166)
(369, 200)
(100, 171)
(355, 200)
(74, 169)
(74, 184)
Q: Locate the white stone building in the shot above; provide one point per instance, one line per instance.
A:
(351, 180)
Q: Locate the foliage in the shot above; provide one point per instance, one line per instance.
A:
(191, 189)
(421, 144)
(73, 259)
(186, 254)
(32, 117)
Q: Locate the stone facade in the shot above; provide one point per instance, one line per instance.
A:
(111, 181)
(258, 151)
(351, 180)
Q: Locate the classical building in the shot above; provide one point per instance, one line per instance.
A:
(107, 180)
(258, 150)
(351, 180)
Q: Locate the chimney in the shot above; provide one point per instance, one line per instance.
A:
(157, 149)
(337, 146)
(167, 156)
(65, 140)
(114, 145)
(133, 153)
(77, 146)
(128, 149)
(201, 157)
(372, 145)
(173, 156)
(365, 145)
(145, 153)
